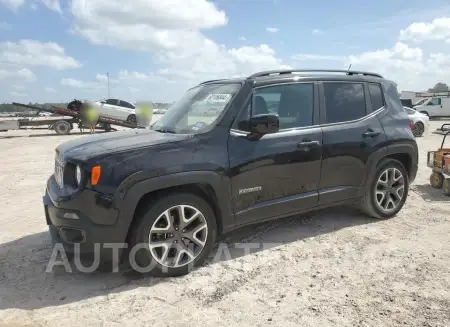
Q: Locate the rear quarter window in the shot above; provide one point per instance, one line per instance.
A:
(376, 96)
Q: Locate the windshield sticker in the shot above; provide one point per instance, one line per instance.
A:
(218, 97)
(198, 125)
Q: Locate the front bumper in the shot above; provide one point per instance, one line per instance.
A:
(83, 223)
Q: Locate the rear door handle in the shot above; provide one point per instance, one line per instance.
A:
(371, 134)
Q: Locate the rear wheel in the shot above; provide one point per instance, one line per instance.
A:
(418, 129)
(436, 179)
(62, 127)
(387, 192)
(131, 119)
(173, 235)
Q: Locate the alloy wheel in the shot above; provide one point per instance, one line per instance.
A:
(390, 189)
(418, 129)
(178, 236)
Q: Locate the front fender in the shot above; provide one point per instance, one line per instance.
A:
(128, 196)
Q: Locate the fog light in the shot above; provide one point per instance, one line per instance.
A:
(71, 215)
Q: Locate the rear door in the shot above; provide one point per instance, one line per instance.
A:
(351, 132)
(125, 109)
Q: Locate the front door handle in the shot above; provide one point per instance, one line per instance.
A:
(371, 133)
(306, 144)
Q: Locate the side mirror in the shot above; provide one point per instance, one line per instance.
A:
(261, 124)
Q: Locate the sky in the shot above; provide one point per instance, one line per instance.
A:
(58, 50)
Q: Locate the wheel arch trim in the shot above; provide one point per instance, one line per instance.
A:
(128, 196)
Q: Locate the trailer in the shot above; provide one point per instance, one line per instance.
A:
(61, 124)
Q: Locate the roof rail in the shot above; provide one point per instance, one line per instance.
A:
(290, 71)
(212, 80)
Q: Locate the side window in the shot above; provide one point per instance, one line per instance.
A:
(376, 96)
(435, 102)
(126, 104)
(293, 103)
(112, 102)
(344, 102)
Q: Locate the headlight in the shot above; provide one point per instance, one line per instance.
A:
(78, 175)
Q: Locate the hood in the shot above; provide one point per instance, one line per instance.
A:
(90, 146)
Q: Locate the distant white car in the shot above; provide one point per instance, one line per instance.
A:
(421, 121)
(117, 109)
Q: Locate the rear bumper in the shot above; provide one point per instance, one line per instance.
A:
(82, 224)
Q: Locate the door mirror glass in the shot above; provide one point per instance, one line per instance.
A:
(261, 124)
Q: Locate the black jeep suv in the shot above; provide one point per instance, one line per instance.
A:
(229, 153)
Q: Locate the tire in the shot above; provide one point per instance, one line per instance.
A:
(62, 127)
(446, 186)
(419, 129)
(152, 260)
(436, 179)
(131, 119)
(370, 204)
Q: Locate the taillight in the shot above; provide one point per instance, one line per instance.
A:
(411, 125)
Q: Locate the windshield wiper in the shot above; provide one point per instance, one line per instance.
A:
(165, 131)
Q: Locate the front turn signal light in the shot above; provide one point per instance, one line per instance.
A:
(95, 174)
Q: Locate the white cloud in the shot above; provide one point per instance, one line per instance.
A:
(317, 32)
(16, 4)
(13, 4)
(49, 90)
(308, 57)
(18, 87)
(53, 5)
(101, 77)
(145, 25)
(17, 94)
(4, 26)
(173, 36)
(408, 66)
(242, 38)
(272, 29)
(438, 29)
(35, 53)
(23, 74)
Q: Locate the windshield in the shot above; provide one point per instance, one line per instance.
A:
(422, 101)
(197, 110)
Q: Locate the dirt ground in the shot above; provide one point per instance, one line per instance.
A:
(331, 268)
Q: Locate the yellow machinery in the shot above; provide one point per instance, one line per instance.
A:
(439, 162)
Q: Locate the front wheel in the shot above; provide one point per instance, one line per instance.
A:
(387, 192)
(436, 179)
(172, 236)
(446, 186)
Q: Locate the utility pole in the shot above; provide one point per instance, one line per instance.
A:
(107, 76)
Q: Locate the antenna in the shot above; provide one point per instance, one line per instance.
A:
(349, 67)
(107, 76)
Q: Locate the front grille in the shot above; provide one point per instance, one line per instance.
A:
(59, 171)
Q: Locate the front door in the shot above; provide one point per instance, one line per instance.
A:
(278, 174)
(434, 108)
